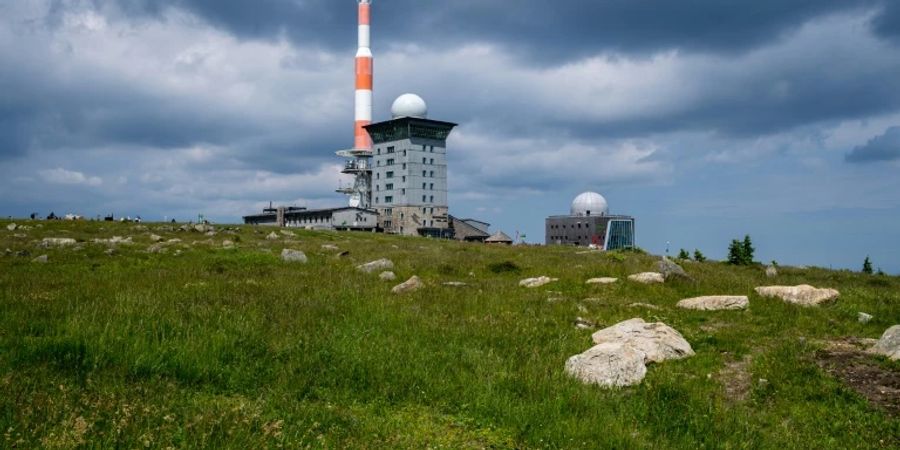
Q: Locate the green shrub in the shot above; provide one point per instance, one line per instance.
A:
(698, 256)
(505, 266)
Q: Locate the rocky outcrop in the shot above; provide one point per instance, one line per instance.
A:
(648, 278)
(658, 341)
(381, 264)
(602, 280)
(715, 303)
(611, 364)
(803, 295)
(293, 256)
(889, 344)
(411, 285)
(536, 282)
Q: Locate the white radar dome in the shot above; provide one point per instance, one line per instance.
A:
(590, 204)
(409, 105)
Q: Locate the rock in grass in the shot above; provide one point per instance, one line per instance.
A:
(288, 255)
(40, 259)
(648, 278)
(329, 247)
(611, 364)
(381, 264)
(771, 272)
(644, 305)
(155, 238)
(12, 227)
(889, 344)
(536, 282)
(715, 302)
(157, 248)
(584, 324)
(863, 317)
(227, 244)
(803, 295)
(670, 270)
(411, 285)
(58, 242)
(387, 276)
(455, 284)
(657, 341)
(287, 233)
(272, 236)
(602, 280)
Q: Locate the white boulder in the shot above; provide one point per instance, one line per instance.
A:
(611, 364)
(863, 317)
(602, 280)
(889, 344)
(536, 282)
(658, 341)
(58, 242)
(387, 276)
(288, 255)
(715, 302)
(411, 285)
(648, 277)
(803, 295)
(381, 264)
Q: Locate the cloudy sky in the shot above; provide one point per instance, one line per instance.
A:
(705, 119)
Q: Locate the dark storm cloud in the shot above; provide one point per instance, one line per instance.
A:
(881, 148)
(537, 30)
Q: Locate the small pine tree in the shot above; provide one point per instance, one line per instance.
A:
(683, 254)
(735, 253)
(867, 266)
(747, 250)
(698, 256)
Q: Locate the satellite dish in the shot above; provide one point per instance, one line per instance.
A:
(355, 201)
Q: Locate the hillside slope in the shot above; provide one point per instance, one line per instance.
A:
(192, 344)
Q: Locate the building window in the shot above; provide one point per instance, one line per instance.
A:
(377, 187)
(432, 161)
(377, 175)
(423, 199)
(432, 174)
(388, 211)
(389, 187)
(390, 162)
(403, 191)
(404, 166)
(424, 173)
(390, 149)
(404, 178)
(378, 151)
(432, 199)
(424, 148)
(424, 160)
(389, 199)
(432, 149)
(424, 210)
(389, 175)
(423, 186)
(431, 186)
(376, 200)
(401, 216)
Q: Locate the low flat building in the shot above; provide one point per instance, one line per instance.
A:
(346, 218)
(590, 224)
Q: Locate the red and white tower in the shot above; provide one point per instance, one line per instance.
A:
(360, 156)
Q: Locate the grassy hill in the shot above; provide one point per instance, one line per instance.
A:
(202, 346)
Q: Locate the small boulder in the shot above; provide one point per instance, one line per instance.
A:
(157, 248)
(411, 285)
(288, 255)
(611, 364)
(715, 302)
(58, 242)
(331, 248)
(648, 278)
(287, 233)
(272, 236)
(671, 270)
(455, 284)
(155, 238)
(387, 276)
(536, 282)
(864, 318)
(12, 227)
(658, 341)
(803, 295)
(644, 305)
(381, 264)
(889, 344)
(40, 259)
(602, 280)
(173, 241)
(584, 324)
(203, 228)
(771, 272)
(227, 244)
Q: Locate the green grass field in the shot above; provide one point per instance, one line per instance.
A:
(233, 348)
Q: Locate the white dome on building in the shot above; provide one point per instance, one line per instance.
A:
(409, 105)
(590, 204)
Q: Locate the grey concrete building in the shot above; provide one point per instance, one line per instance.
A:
(346, 218)
(409, 173)
(590, 224)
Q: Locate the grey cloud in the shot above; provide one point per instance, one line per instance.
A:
(880, 148)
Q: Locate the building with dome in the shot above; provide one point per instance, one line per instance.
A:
(589, 223)
(409, 170)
